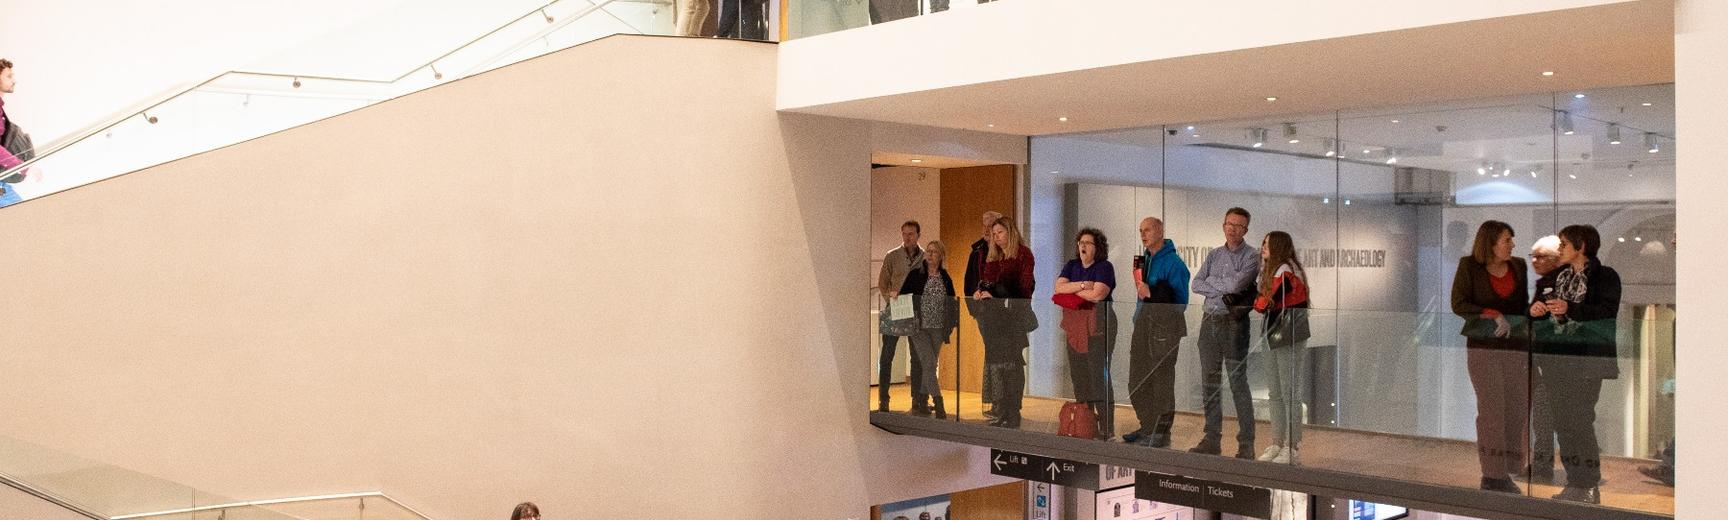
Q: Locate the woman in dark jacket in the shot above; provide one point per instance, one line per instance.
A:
(1490, 292)
(1004, 318)
(938, 312)
(1575, 342)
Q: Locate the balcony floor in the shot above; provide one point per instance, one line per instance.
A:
(1435, 461)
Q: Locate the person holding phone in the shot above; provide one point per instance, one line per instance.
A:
(1573, 324)
(1490, 291)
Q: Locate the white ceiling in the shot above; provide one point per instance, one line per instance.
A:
(1610, 45)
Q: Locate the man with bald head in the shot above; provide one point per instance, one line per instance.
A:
(1161, 283)
(1544, 258)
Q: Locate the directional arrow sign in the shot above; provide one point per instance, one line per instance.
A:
(1061, 472)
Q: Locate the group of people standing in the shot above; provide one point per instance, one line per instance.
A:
(1559, 341)
(1235, 279)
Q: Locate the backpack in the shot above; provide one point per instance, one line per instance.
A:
(1078, 421)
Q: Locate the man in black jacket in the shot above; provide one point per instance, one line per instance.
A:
(975, 259)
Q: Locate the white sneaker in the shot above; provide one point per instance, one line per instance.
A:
(1272, 452)
(1288, 456)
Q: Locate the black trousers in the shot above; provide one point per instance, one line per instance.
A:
(1223, 344)
(744, 19)
(1572, 403)
(1152, 353)
(885, 368)
(1090, 373)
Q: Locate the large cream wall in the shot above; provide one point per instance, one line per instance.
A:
(1025, 38)
(622, 294)
(1700, 44)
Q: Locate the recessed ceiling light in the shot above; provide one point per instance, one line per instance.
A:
(1062, 119)
(917, 160)
(1270, 99)
(990, 126)
(1646, 103)
(1548, 73)
(1396, 121)
(1577, 96)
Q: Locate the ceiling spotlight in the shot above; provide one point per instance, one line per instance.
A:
(1366, 151)
(296, 82)
(1270, 99)
(1483, 169)
(1566, 123)
(1331, 147)
(1257, 136)
(1062, 119)
(1646, 103)
(1613, 133)
(1327, 200)
(1346, 202)
(1622, 239)
(1650, 144)
(917, 160)
(990, 126)
(149, 118)
(1548, 73)
(1192, 132)
(435, 74)
(1532, 174)
(1577, 96)
(1290, 133)
(1395, 121)
(549, 18)
(1637, 239)
(1391, 156)
(1572, 176)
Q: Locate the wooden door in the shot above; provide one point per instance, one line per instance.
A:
(966, 194)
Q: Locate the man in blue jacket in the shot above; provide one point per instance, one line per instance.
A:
(1161, 282)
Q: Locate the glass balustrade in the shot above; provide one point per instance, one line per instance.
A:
(1398, 374)
(238, 106)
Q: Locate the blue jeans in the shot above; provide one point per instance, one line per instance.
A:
(10, 197)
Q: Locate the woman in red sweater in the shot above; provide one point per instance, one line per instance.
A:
(1489, 292)
(1004, 318)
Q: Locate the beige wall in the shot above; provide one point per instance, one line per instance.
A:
(1700, 44)
(596, 280)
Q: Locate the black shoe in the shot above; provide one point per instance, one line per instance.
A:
(882, 405)
(938, 407)
(1504, 485)
(1207, 446)
(920, 406)
(1157, 440)
(1245, 451)
(1662, 474)
(1589, 495)
(1133, 437)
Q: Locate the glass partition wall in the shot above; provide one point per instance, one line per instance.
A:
(1398, 354)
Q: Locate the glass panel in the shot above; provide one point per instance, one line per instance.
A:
(94, 486)
(814, 17)
(1389, 374)
(238, 106)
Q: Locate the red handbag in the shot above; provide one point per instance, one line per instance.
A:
(1078, 421)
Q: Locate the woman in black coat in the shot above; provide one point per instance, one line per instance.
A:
(1490, 291)
(1575, 343)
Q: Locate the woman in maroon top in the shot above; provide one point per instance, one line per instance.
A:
(1004, 317)
(1490, 292)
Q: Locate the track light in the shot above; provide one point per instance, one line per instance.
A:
(1258, 136)
(1290, 133)
(1613, 133)
(1331, 147)
(435, 74)
(1650, 144)
(1566, 123)
(296, 82)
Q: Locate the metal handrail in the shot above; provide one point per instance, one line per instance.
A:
(51, 498)
(272, 501)
(163, 99)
